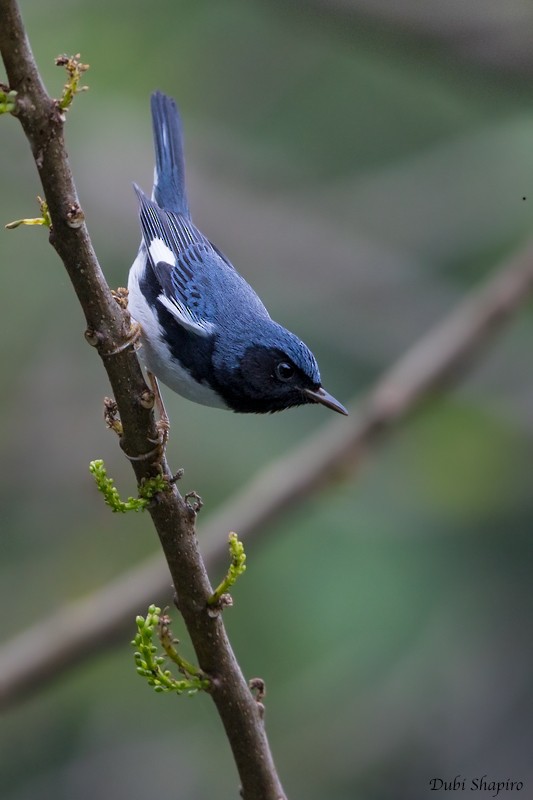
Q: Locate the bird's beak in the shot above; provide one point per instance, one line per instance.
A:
(321, 396)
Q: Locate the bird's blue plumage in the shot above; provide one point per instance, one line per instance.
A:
(205, 332)
(169, 178)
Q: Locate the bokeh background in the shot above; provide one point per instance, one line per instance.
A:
(364, 164)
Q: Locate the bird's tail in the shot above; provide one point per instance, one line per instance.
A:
(169, 177)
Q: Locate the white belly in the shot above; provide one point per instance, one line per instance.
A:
(154, 352)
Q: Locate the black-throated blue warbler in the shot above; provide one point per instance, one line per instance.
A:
(205, 333)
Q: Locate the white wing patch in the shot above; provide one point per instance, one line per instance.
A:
(186, 317)
(159, 251)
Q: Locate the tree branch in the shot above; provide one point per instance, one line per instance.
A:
(109, 330)
(81, 629)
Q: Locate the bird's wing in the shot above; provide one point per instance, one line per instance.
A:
(177, 252)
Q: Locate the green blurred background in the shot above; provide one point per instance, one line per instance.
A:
(363, 164)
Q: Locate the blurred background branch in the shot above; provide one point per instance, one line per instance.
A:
(490, 33)
(81, 630)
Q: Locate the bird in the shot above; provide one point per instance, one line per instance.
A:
(204, 331)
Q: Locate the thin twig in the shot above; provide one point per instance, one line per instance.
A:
(81, 629)
(109, 330)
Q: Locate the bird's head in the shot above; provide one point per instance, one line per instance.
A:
(274, 372)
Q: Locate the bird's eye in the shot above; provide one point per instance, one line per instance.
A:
(284, 371)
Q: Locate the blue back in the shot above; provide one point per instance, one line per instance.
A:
(169, 179)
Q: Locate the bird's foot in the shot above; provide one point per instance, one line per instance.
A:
(163, 429)
(163, 423)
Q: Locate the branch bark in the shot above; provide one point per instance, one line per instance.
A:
(78, 631)
(109, 329)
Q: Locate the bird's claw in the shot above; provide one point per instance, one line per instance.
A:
(133, 337)
(163, 429)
